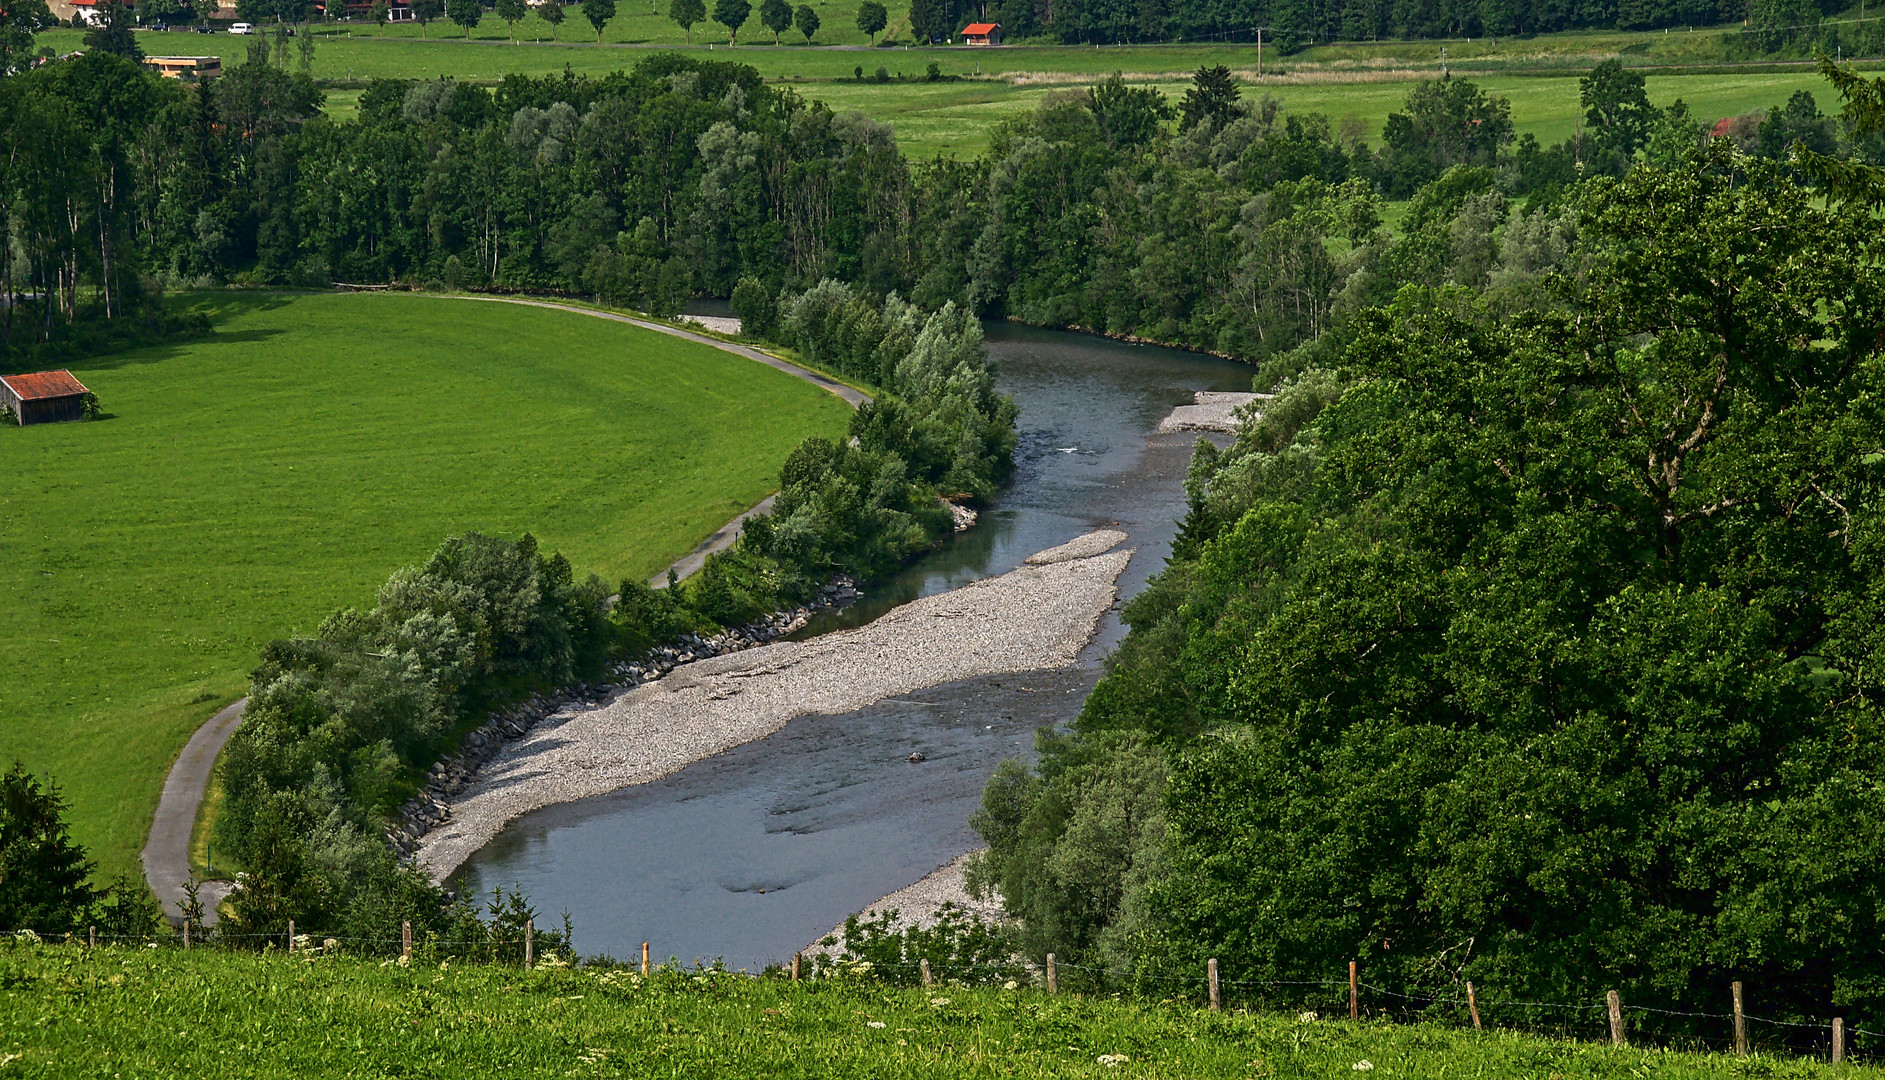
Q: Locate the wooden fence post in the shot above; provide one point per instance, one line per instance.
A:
(186, 933)
(1354, 991)
(795, 965)
(1740, 1021)
(291, 937)
(1472, 1003)
(1839, 1039)
(405, 939)
(1210, 973)
(1053, 979)
(530, 944)
(94, 937)
(923, 966)
(644, 958)
(1615, 1002)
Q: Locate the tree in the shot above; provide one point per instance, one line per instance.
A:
(872, 17)
(551, 11)
(598, 12)
(776, 16)
(1213, 96)
(1128, 115)
(380, 12)
(1447, 122)
(754, 305)
(113, 32)
(732, 15)
(1617, 108)
(465, 13)
(807, 21)
(174, 11)
(686, 13)
(43, 874)
(425, 11)
(511, 11)
(932, 20)
(19, 21)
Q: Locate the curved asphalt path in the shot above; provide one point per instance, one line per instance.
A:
(166, 854)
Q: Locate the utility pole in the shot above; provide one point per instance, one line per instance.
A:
(1260, 31)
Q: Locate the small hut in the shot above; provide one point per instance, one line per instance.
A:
(43, 397)
(982, 33)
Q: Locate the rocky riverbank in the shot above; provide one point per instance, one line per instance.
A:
(452, 775)
(1032, 618)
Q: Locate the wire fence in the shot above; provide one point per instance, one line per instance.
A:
(1698, 1029)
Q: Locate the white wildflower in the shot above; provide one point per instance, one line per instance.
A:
(1362, 1066)
(875, 1024)
(1009, 985)
(1112, 1060)
(939, 1002)
(1306, 1018)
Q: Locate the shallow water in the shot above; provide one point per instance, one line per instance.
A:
(752, 854)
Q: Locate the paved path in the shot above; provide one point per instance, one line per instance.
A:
(167, 853)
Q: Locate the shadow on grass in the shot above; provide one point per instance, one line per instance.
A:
(219, 308)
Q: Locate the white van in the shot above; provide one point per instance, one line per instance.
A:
(241, 28)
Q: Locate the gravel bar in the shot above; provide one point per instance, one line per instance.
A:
(920, 904)
(1029, 619)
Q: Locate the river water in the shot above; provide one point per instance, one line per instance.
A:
(751, 855)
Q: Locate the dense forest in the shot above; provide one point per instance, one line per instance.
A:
(1530, 644)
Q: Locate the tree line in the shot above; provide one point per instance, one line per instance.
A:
(1524, 640)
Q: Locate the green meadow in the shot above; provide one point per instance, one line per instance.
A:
(1360, 83)
(132, 1013)
(248, 482)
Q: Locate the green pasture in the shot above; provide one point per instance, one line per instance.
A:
(248, 482)
(132, 1013)
(1359, 82)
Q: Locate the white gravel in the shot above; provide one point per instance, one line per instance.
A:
(1031, 618)
(718, 323)
(1080, 547)
(1211, 411)
(921, 903)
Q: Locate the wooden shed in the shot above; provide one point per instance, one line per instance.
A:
(982, 33)
(43, 397)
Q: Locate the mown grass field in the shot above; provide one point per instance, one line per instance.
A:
(1360, 81)
(251, 481)
(130, 1013)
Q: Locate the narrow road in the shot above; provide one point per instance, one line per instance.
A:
(166, 854)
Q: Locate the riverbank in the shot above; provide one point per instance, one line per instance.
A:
(1031, 618)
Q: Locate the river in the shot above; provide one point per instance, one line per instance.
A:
(748, 856)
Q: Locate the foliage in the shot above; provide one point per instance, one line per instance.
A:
(598, 12)
(1533, 652)
(732, 14)
(872, 17)
(807, 21)
(687, 13)
(44, 876)
(776, 16)
(465, 13)
(962, 950)
(511, 11)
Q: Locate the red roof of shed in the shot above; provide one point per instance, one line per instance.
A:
(43, 384)
(980, 28)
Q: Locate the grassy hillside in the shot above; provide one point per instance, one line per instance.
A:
(249, 482)
(131, 1013)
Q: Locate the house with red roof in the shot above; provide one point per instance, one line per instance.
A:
(982, 33)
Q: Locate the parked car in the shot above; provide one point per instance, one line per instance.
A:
(204, 29)
(241, 28)
(158, 26)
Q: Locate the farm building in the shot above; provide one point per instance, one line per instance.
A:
(43, 397)
(187, 68)
(982, 33)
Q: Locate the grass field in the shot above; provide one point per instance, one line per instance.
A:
(249, 482)
(132, 1013)
(1364, 81)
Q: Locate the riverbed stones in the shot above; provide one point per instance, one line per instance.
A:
(1080, 547)
(1219, 411)
(1031, 618)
